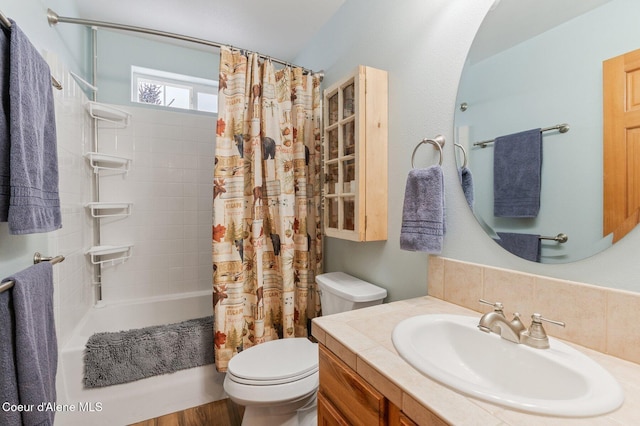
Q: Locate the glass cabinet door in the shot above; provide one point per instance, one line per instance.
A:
(340, 157)
(355, 124)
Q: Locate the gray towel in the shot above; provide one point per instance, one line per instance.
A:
(35, 203)
(526, 246)
(423, 217)
(8, 378)
(5, 146)
(516, 174)
(466, 180)
(35, 348)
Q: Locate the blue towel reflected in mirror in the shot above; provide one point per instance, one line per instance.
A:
(526, 246)
(517, 166)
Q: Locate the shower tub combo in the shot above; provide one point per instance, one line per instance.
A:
(142, 399)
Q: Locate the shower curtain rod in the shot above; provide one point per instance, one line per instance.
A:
(54, 19)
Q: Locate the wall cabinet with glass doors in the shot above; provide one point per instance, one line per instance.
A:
(355, 156)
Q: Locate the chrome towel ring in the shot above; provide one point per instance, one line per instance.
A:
(464, 154)
(438, 142)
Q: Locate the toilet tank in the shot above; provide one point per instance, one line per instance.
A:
(340, 292)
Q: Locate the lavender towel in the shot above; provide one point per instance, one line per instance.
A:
(466, 180)
(526, 246)
(28, 307)
(423, 217)
(35, 204)
(516, 174)
(5, 145)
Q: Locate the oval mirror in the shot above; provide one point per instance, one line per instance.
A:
(536, 68)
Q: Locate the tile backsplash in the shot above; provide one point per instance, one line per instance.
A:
(599, 318)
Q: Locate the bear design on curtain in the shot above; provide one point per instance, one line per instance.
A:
(267, 241)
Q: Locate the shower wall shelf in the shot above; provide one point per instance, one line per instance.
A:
(101, 161)
(104, 209)
(99, 255)
(97, 252)
(108, 113)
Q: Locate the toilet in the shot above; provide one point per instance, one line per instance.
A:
(283, 392)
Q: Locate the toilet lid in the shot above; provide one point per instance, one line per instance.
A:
(349, 287)
(278, 361)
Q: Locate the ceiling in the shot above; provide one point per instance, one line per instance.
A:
(278, 28)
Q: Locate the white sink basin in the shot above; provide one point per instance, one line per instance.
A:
(558, 381)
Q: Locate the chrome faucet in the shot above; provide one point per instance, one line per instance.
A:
(497, 323)
(514, 330)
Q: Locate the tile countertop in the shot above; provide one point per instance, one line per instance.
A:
(362, 339)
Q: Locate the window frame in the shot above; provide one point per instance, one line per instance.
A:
(195, 86)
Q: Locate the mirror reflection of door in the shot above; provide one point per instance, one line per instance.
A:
(621, 105)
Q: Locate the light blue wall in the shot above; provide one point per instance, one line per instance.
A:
(16, 251)
(118, 51)
(415, 43)
(553, 78)
(67, 41)
(423, 46)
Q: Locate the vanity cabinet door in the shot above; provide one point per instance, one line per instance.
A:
(356, 401)
(355, 156)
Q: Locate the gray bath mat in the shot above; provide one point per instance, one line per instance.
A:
(125, 356)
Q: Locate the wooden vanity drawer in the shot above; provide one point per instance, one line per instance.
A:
(356, 400)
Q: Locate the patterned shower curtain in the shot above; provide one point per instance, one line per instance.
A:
(267, 241)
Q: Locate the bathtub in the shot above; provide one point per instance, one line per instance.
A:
(143, 399)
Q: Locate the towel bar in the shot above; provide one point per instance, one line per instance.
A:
(562, 128)
(438, 142)
(561, 238)
(37, 258)
(4, 21)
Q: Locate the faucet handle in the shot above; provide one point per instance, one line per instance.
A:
(537, 318)
(536, 337)
(497, 306)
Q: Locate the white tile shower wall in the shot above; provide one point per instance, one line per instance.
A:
(170, 186)
(73, 291)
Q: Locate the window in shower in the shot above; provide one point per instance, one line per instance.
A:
(171, 90)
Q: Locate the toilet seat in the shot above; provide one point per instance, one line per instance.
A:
(270, 395)
(252, 379)
(281, 381)
(293, 360)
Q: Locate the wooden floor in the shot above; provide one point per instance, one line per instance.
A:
(218, 413)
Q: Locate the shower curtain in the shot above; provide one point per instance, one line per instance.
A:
(267, 241)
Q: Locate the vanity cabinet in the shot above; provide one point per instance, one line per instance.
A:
(355, 156)
(345, 398)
